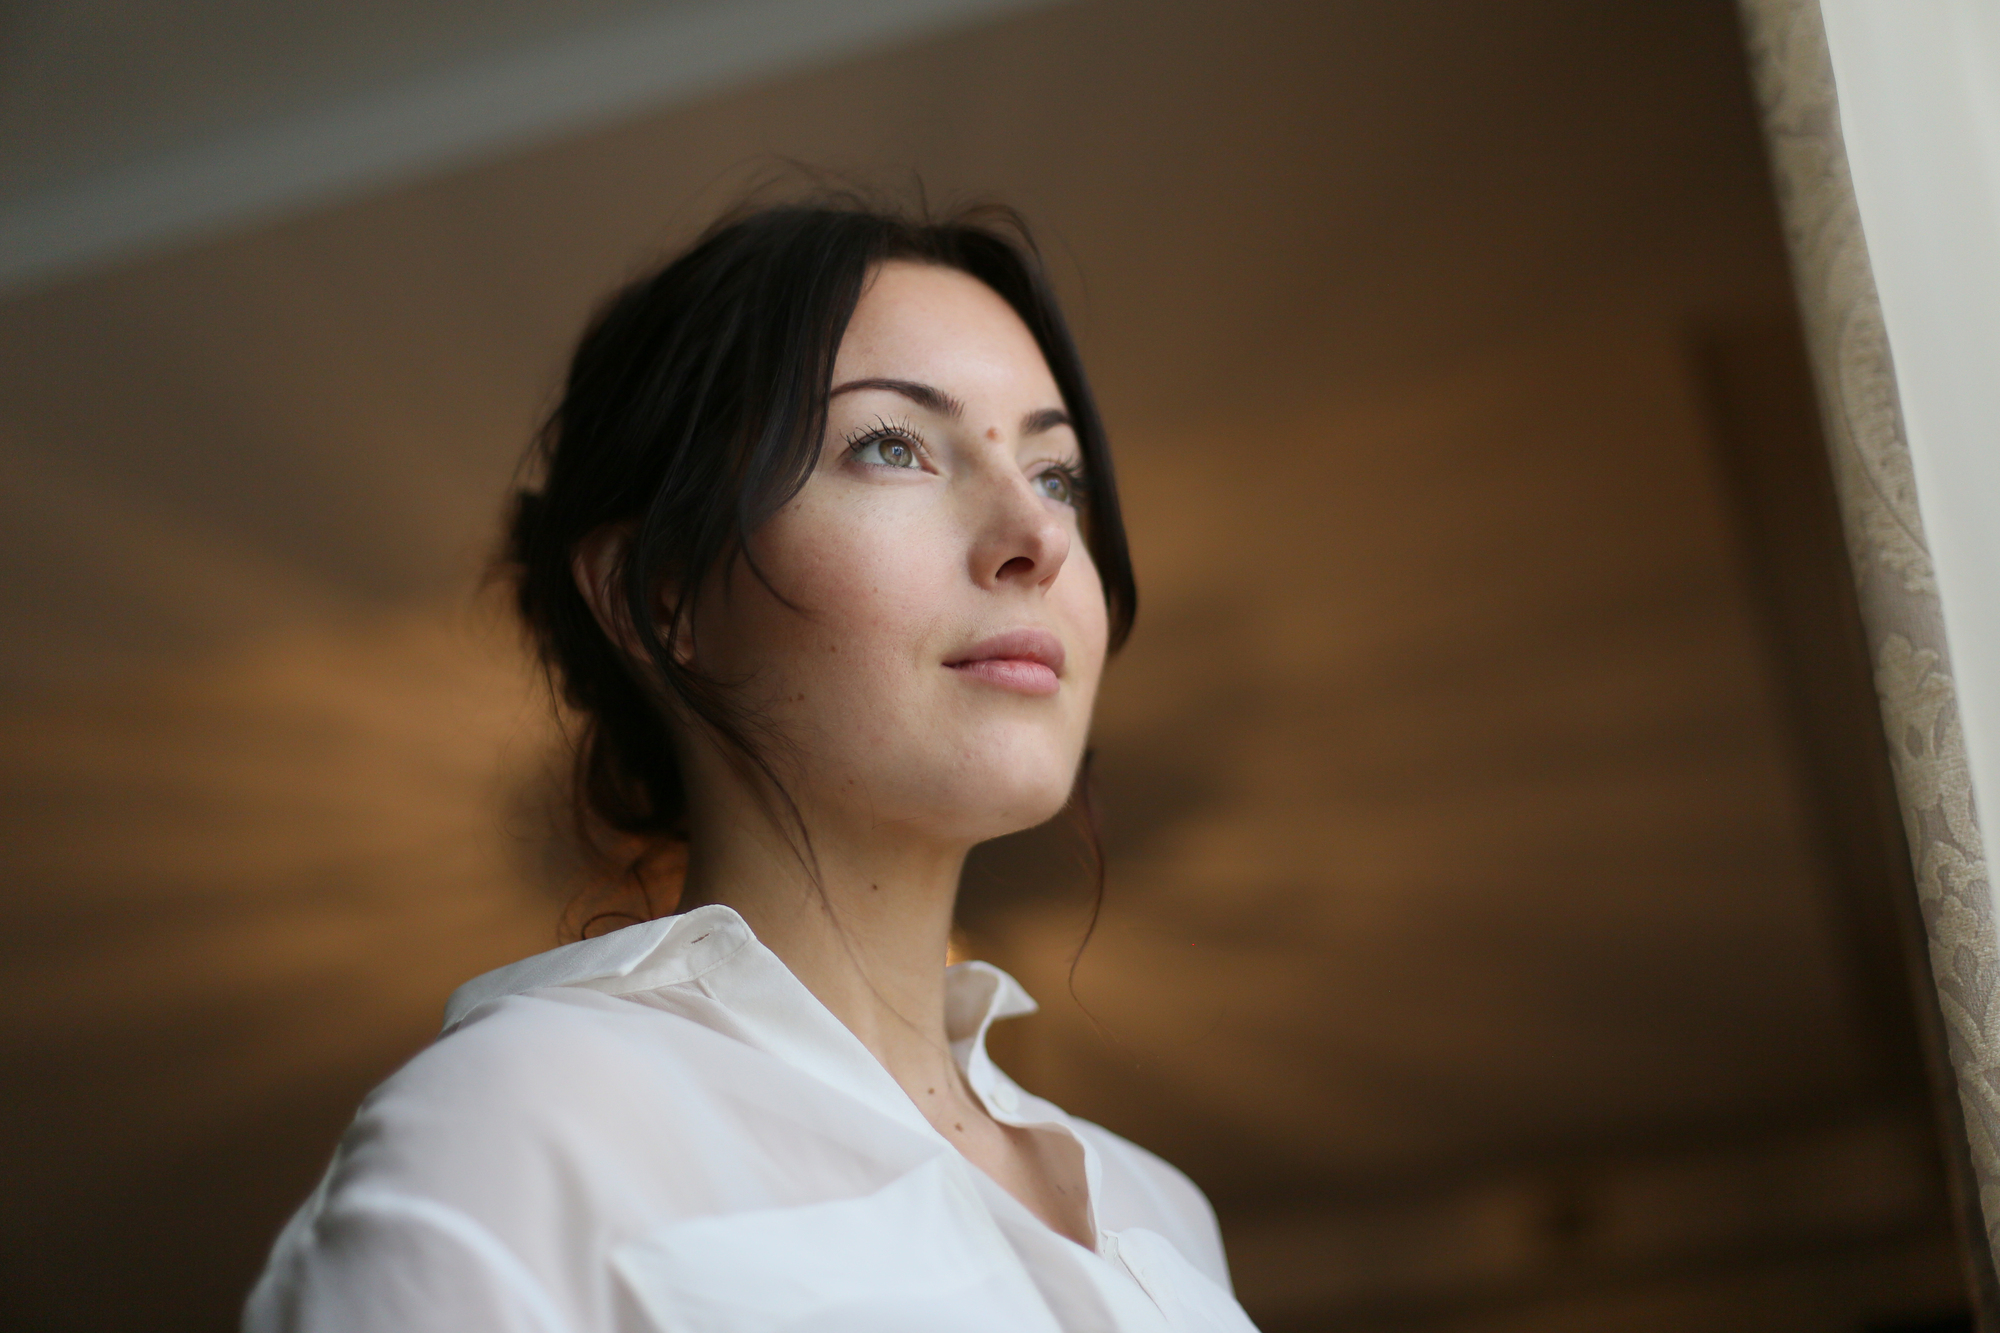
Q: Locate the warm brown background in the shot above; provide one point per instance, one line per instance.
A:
(1498, 926)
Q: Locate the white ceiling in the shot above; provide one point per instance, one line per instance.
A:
(125, 126)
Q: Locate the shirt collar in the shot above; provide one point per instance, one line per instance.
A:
(713, 948)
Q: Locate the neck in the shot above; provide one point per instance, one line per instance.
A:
(864, 923)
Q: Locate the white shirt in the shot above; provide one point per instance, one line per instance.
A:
(662, 1129)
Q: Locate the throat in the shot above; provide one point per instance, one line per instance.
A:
(1042, 1166)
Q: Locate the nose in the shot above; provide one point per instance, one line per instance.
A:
(1020, 539)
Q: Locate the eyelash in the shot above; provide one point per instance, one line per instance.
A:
(1073, 476)
(862, 436)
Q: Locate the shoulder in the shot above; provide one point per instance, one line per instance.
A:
(457, 1173)
(493, 1172)
(522, 1053)
(1142, 1189)
(534, 1099)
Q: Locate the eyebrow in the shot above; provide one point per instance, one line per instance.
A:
(1047, 419)
(923, 395)
(937, 400)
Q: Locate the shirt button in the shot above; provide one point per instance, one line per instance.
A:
(1004, 1098)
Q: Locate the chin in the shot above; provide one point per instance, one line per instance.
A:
(982, 779)
(1017, 792)
(1029, 810)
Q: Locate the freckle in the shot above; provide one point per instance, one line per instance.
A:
(992, 432)
(931, 1091)
(959, 1128)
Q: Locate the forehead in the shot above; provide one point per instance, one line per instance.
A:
(941, 327)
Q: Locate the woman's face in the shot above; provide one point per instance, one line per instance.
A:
(939, 670)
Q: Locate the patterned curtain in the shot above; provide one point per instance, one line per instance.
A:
(1892, 574)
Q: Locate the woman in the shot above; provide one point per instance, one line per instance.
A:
(827, 560)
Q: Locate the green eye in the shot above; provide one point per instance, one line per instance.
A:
(1060, 484)
(888, 448)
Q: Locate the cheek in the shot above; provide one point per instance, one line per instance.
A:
(854, 674)
(868, 585)
(1079, 596)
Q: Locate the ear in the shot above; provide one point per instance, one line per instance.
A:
(595, 567)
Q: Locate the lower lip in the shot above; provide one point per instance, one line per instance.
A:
(1018, 674)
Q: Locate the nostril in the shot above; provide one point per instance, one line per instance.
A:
(1019, 565)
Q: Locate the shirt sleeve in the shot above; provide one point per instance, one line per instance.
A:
(374, 1260)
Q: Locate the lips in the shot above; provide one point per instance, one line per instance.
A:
(1025, 661)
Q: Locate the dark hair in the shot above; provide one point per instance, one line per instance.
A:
(694, 409)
